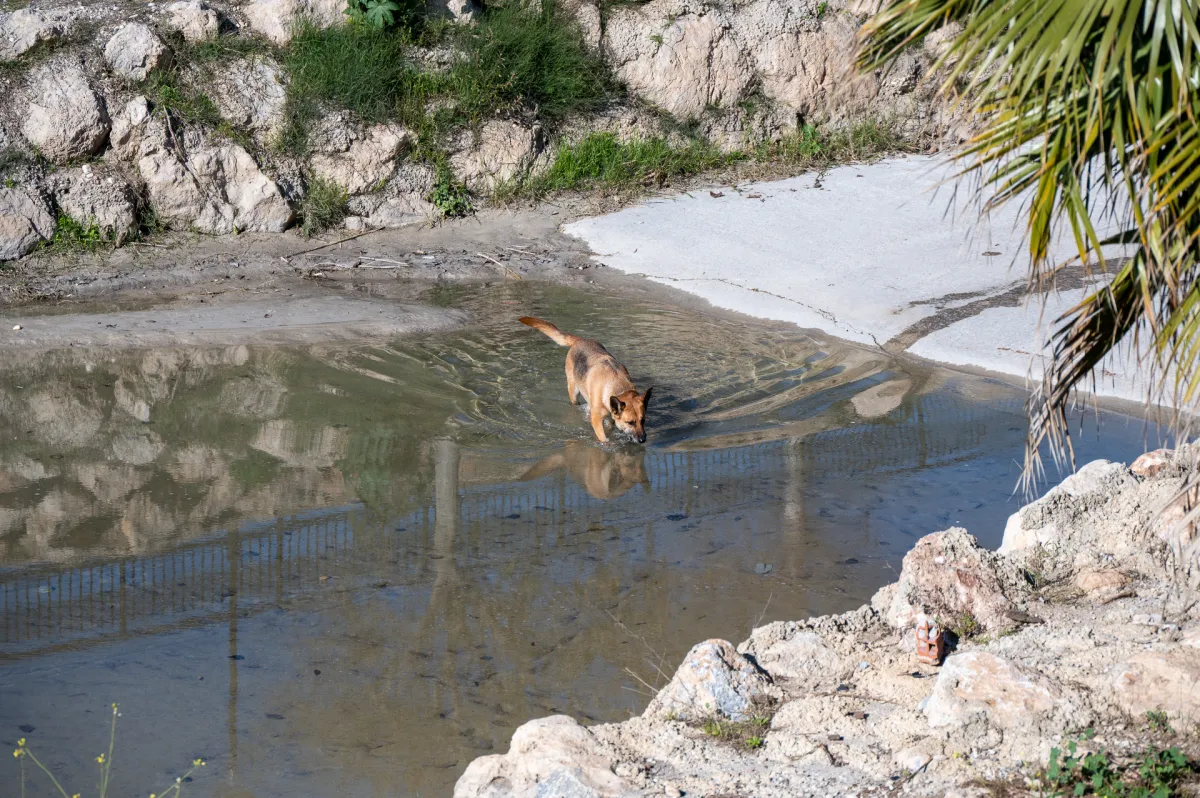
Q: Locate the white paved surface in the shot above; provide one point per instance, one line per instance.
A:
(863, 253)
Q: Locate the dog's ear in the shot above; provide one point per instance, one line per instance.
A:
(615, 404)
(646, 397)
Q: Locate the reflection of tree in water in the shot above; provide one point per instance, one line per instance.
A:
(104, 454)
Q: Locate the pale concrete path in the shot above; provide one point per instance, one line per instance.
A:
(887, 253)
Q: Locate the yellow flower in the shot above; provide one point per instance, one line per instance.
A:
(17, 752)
(198, 763)
(100, 759)
(21, 742)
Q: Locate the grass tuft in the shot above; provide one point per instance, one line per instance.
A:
(324, 207)
(750, 734)
(71, 236)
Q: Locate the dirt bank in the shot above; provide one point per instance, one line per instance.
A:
(1084, 629)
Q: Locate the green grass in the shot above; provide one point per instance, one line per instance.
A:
(1158, 775)
(600, 160)
(812, 147)
(323, 207)
(750, 734)
(1158, 721)
(449, 196)
(71, 236)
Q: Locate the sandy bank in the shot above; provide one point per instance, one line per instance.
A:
(888, 253)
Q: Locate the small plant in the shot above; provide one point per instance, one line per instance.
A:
(964, 625)
(449, 196)
(656, 38)
(23, 753)
(821, 9)
(1157, 776)
(72, 236)
(1158, 721)
(754, 742)
(602, 160)
(750, 734)
(324, 207)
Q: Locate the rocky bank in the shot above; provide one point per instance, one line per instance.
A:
(1084, 626)
(92, 133)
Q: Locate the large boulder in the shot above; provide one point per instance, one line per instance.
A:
(65, 119)
(502, 152)
(714, 680)
(366, 161)
(276, 19)
(135, 51)
(24, 223)
(1028, 527)
(1167, 681)
(193, 19)
(251, 94)
(978, 683)
(552, 756)
(100, 197)
(219, 190)
(950, 576)
(25, 28)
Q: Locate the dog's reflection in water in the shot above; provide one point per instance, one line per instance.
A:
(603, 473)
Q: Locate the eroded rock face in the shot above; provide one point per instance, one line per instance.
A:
(128, 126)
(276, 19)
(552, 756)
(100, 197)
(219, 190)
(366, 161)
(1023, 530)
(251, 94)
(24, 223)
(504, 151)
(65, 120)
(801, 656)
(977, 682)
(193, 19)
(948, 574)
(135, 51)
(1166, 681)
(713, 681)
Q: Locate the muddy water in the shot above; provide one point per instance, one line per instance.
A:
(350, 570)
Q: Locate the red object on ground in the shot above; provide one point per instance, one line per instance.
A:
(931, 641)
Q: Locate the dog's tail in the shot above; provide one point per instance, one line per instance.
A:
(556, 335)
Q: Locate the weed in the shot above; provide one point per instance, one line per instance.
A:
(24, 753)
(821, 9)
(527, 59)
(356, 67)
(965, 625)
(323, 207)
(812, 147)
(656, 38)
(601, 160)
(383, 14)
(1095, 774)
(72, 236)
(449, 196)
(1158, 721)
(750, 734)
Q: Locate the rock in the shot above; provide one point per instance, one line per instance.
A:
(24, 29)
(713, 681)
(220, 190)
(1149, 464)
(503, 151)
(1160, 680)
(275, 19)
(102, 198)
(402, 211)
(976, 682)
(194, 19)
(134, 51)
(1023, 531)
(65, 119)
(366, 162)
(552, 756)
(912, 759)
(456, 10)
(251, 94)
(24, 223)
(948, 575)
(1092, 581)
(127, 128)
(801, 656)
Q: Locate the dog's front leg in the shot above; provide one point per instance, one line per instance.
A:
(598, 424)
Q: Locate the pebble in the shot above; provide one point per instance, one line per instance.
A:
(16, 326)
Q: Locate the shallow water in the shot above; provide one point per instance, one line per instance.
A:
(350, 570)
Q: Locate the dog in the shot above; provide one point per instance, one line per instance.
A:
(604, 383)
(603, 473)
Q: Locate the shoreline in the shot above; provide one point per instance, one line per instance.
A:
(1075, 631)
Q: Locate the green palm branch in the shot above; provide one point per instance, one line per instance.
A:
(1089, 112)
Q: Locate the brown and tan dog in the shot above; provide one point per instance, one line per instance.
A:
(604, 383)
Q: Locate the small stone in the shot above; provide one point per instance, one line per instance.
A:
(194, 19)
(1151, 463)
(134, 51)
(672, 792)
(17, 327)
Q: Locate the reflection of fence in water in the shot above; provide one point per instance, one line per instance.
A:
(202, 581)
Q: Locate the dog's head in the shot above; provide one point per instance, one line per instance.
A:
(629, 413)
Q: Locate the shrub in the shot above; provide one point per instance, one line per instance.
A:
(449, 196)
(384, 14)
(522, 58)
(323, 207)
(601, 160)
